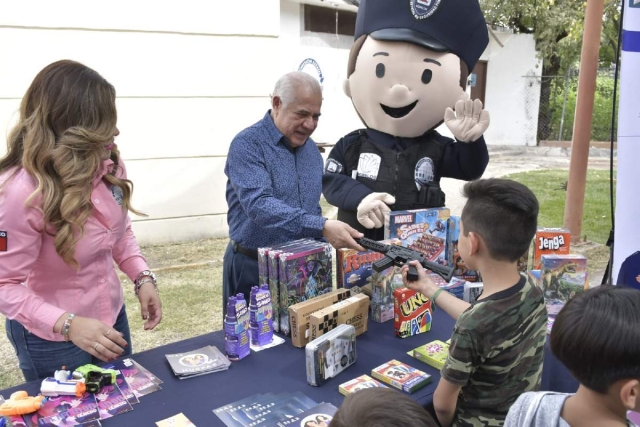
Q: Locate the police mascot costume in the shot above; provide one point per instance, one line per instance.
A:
(407, 73)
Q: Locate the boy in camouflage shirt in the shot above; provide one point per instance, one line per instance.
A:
(497, 346)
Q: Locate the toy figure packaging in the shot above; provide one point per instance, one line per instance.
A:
(261, 315)
(330, 354)
(412, 312)
(550, 241)
(433, 354)
(401, 376)
(304, 274)
(563, 276)
(423, 230)
(351, 311)
(382, 286)
(300, 313)
(360, 383)
(453, 255)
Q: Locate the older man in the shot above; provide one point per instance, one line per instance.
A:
(275, 183)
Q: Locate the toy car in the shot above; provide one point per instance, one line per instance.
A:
(96, 377)
(53, 387)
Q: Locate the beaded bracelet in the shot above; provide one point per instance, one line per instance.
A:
(66, 326)
(145, 277)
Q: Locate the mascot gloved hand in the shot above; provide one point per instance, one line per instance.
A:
(469, 121)
(372, 209)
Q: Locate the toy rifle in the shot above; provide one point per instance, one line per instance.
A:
(399, 256)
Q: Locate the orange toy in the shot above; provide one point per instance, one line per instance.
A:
(21, 403)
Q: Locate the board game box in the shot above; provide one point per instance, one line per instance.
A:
(360, 383)
(300, 313)
(352, 311)
(433, 354)
(453, 255)
(354, 268)
(549, 241)
(401, 376)
(563, 276)
(423, 230)
(412, 312)
(330, 354)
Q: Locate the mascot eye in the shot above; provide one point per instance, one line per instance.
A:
(426, 76)
(380, 70)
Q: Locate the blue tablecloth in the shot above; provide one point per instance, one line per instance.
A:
(282, 369)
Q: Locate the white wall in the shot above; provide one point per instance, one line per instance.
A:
(512, 99)
(189, 75)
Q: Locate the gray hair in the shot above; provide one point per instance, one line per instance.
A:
(288, 85)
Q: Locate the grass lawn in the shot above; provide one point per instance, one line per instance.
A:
(190, 274)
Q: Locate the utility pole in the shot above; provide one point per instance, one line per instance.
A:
(574, 204)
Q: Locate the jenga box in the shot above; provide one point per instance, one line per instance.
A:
(550, 241)
(352, 311)
(412, 312)
(299, 314)
(453, 255)
(423, 230)
(563, 276)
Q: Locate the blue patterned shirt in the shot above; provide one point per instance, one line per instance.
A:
(273, 190)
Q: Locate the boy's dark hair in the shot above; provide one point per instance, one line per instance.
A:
(504, 213)
(381, 407)
(597, 336)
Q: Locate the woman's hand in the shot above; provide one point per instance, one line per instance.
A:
(96, 338)
(150, 305)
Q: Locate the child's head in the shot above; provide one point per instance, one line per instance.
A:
(381, 407)
(501, 215)
(597, 337)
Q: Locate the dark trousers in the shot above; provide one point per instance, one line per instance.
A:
(239, 274)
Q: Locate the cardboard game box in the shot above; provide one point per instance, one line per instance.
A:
(351, 311)
(412, 312)
(424, 230)
(360, 383)
(563, 276)
(453, 256)
(433, 354)
(354, 268)
(401, 376)
(549, 241)
(303, 275)
(300, 313)
(330, 354)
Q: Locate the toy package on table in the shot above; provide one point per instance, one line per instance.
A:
(359, 383)
(300, 313)
(65, 410)
(563, 276)
(472, 291)
(330, 354)
(303, 274)
(140, 381)
(412, 312)
(353, 311)
(455, 287)
(423, 230)
(453, 255)
(401, 376)
(549, 241)
(382, 286)
(354, 268)
(433, 354)
(260, 315)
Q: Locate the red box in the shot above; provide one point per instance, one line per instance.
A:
(550, 241)
(3, 241)
(412, 312)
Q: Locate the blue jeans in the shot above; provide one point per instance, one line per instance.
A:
(40, 358)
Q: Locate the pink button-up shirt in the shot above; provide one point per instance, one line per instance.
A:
(36, 286)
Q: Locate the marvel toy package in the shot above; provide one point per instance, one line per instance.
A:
(423, 230)
(330, 354)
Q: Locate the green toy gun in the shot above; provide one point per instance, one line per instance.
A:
(96, 377)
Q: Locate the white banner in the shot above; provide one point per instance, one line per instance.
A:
(627, 235)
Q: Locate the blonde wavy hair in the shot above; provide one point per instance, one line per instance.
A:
(67, 118)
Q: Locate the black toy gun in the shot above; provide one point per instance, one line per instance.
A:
(399, 256)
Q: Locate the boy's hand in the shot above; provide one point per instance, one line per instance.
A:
(424, 285)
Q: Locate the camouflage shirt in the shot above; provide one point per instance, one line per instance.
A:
(496, 353)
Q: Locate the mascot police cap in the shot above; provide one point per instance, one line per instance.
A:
(455, 26)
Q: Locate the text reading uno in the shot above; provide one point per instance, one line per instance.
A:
(554, 243)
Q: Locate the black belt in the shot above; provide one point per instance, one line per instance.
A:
(252, 253)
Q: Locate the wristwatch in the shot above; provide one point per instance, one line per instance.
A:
(144, 277)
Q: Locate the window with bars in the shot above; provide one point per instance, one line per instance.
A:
(325, 20)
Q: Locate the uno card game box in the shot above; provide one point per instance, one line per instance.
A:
(401, 376)
(550, 241)
(412, 312)
(303, 274)
(453, 255)
(360, 383)
(563, 276)
(330, 354)
(423, 230)
(352, 311)
(433, 354)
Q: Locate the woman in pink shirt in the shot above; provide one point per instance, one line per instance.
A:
(64, 202)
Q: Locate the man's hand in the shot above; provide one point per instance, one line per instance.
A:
(341, 235)
(372, 209)
(469, 122)
(424, 285)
